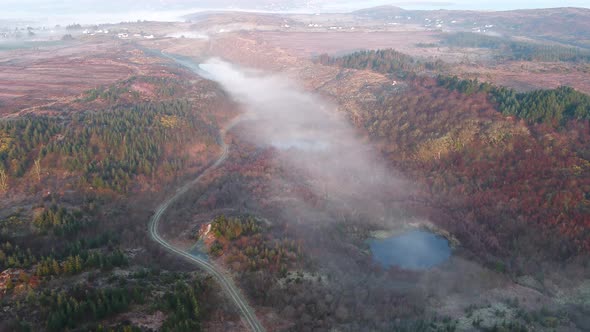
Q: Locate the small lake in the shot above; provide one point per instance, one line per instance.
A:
(413, 250)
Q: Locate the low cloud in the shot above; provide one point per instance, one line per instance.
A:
(312, 137)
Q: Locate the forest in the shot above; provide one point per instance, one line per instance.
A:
(247, 247)
(555, 107)
(93, 254)
(229, 229)
(505, 172)
(478, 148)
(108, 148)
(476, 165)
(386, 61)
(59, 219)
(84, 307)
(66, 312)
(507, 49)
(80, 253)
(70, 247)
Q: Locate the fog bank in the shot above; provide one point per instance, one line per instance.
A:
(312, 137)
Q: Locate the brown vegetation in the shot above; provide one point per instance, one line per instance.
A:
(37, 77)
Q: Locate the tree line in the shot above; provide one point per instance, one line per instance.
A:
(387, 61)
(229, 229)
(454, 137)
(68, 310)
(20, 140)
(112, 147)
(60, 220)
(108, 148)
(517, 50)
(183, 305)
(551, 106)
(246, 248)
(84, 260)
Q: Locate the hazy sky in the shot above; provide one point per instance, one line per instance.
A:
(85, 11)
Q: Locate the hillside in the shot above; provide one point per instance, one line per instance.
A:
(567, 26)
(298, 172)
(78, 169)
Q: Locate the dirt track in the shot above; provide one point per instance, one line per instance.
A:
(224, 281)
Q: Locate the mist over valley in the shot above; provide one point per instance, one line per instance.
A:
(294, 166)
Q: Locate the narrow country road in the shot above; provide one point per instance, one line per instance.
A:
(226, 282)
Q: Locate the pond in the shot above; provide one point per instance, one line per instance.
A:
(413, 250)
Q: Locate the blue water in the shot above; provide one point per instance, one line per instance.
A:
(414, 250)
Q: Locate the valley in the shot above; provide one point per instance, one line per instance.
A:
(236, 170)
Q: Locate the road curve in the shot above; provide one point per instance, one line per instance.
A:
(226, 282)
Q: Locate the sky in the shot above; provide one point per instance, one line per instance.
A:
(104, 11)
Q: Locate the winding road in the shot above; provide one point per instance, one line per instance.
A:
(225, 281)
